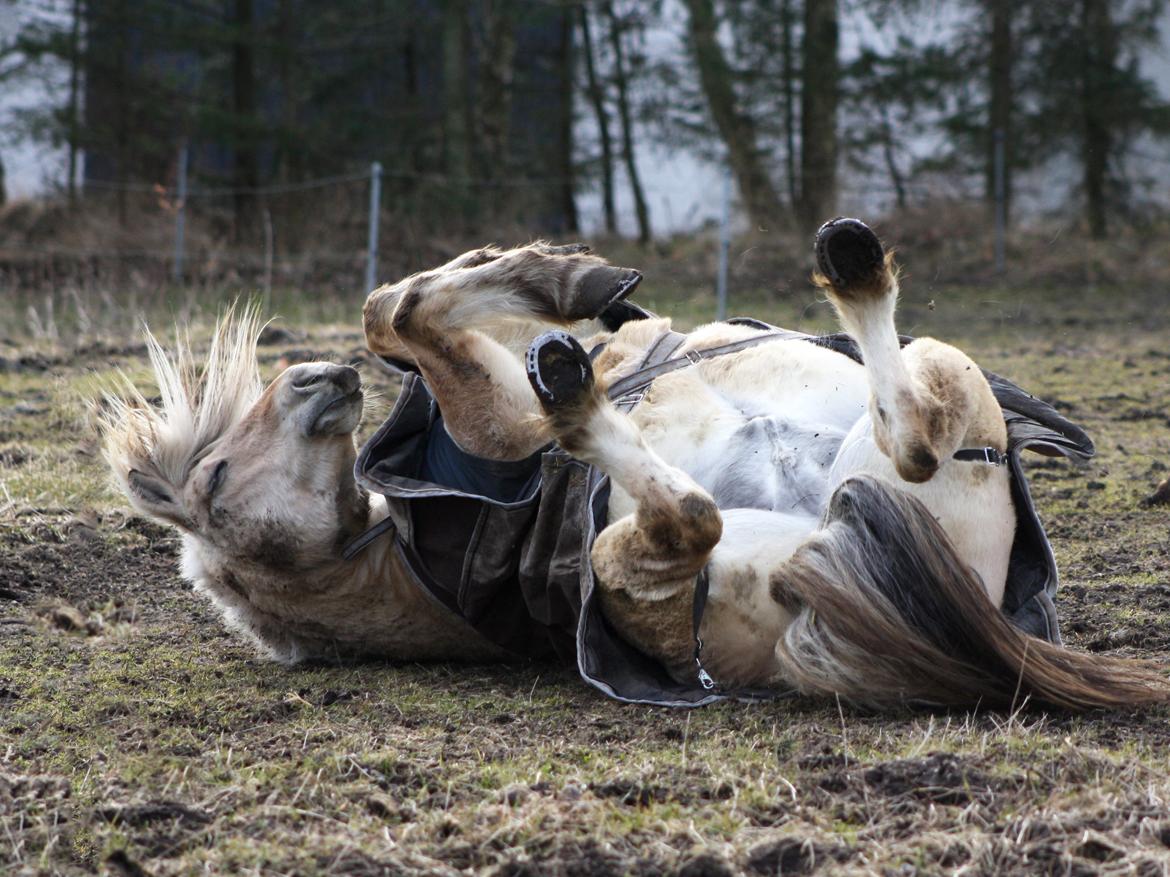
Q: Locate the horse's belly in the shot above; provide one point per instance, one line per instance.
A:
(771, 463)
(758, 429)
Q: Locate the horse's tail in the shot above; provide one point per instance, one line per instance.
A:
(886, 613)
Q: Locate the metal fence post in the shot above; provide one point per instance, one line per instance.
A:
(372, 244)
(180, 215)
(724, 249)
(1000, 201)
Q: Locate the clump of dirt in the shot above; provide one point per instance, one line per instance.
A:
(70, 618)
(940, 778)
(706, 865)
(31, 791)
(136, 815)
(937, 778)
(1160, 496)
(1096, 617)
(10, 458)
(630, 792)
(792, 855)
(86, 576)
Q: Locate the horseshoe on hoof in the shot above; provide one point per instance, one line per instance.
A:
(558, 369)
(848, 253)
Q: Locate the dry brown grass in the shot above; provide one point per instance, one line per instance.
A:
(137, 737)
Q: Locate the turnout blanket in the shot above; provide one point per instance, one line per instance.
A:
(506, 546)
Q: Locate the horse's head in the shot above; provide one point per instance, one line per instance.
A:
(255, 476)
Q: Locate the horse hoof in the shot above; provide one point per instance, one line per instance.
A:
(599, 288)
(848, 253)
(558, 369)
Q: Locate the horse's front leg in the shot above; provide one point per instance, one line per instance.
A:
(647, 562)
(927, 401)
(462, 324)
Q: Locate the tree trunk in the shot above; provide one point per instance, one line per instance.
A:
(737, 130)
(455, 137)
(818, 114)
(74, 129)
(896, 178)
(285, 53)
(494, 106)
(597, 99)
(1100, 46)
(247, 169)
(410, 72)
(3, 186)
(789, 104)
(620, 76)
(122, 135)
(567, 182)
(999, 117)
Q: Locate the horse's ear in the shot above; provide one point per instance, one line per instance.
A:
(155, 497)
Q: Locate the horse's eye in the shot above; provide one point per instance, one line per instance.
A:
(216, 478)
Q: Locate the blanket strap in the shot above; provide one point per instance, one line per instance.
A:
(702, 586)
(358, 543)
(990, 456)
(628, 392)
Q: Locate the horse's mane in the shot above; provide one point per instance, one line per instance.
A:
(196, 405)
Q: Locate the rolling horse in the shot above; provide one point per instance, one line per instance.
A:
(736, 511)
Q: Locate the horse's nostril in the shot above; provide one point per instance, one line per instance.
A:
(346, 378)
(924, 458)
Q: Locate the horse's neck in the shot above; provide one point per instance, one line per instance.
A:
(392, 616)
(367, 606)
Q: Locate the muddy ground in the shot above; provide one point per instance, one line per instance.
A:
(138, 737)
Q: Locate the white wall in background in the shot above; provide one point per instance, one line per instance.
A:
(31, 168)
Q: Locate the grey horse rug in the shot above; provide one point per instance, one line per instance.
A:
(506, 546)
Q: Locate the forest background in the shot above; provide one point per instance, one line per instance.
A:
(512, 119)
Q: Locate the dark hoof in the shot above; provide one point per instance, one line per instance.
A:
(848, 252)
(598, 289)
(558, 369)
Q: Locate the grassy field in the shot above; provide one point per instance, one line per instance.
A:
(138, 737)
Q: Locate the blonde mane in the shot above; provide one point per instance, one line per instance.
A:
(196, 405)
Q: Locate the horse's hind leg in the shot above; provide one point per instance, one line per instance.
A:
(646, 563)
(457, 322)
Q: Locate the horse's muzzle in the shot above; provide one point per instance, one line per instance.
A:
(331, 398)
